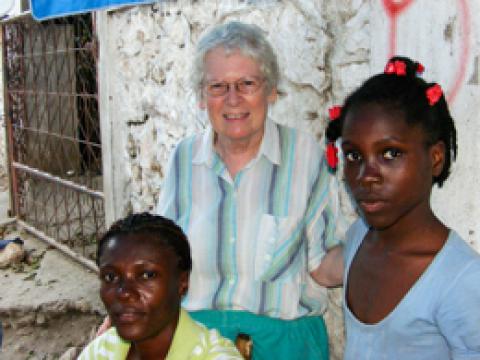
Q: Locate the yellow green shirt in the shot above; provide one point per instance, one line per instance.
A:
(191, 341)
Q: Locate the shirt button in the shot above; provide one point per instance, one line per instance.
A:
(271, 240)
(231, 281)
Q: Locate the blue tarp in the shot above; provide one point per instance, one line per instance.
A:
(46, 9)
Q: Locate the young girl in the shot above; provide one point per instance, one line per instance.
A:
(411, 285)
(145, 264)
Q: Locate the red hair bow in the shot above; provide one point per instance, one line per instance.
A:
(420, 68)
(332, 155)
(396, 67)
(434, 93)
(334, 112)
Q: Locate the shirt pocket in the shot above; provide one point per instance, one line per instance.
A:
(278, 242)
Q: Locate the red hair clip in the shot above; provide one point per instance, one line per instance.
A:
(332, 155)
(334, 112)
(396, 67)
(420, 68)
(434, 93)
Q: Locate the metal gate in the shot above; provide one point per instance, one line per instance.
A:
(53, 132)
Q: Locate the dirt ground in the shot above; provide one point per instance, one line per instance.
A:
(50, 307)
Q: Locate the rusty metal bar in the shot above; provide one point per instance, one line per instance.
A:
(14, 201)
(60, 136)
(56, 179)
(63, 248)
(65, 94)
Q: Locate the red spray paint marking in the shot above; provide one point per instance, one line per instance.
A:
(465, 36)
(394, 8)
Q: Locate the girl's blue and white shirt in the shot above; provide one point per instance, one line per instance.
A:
(256, 237)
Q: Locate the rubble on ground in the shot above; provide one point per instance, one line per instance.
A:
(49, 304)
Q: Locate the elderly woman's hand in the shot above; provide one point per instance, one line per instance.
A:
(330, 271)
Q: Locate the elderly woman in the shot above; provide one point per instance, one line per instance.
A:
(258, 205)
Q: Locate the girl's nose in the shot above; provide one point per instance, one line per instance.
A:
(369, 173)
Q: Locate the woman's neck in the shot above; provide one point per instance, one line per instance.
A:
(238, 153)
(155, 347)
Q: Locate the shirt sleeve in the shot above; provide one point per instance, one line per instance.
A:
(215, 347)
(167, 204)
(91, 350)
(108, 346)
(324, 224)
(459, 314)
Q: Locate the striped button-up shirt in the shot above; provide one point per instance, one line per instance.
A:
(255, 237)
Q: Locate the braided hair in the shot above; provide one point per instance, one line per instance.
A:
(164, 232)
(400, 90)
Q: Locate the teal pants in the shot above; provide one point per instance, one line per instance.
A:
(304, 338)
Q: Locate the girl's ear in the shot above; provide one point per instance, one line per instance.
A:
(183, 283)
(437, 153)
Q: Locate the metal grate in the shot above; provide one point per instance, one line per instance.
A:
(53, 128)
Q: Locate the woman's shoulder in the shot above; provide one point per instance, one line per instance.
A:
(213, 346)
(109, 340)
(205, 344)
(302, 136)
(187, 141)
(458, 259)
(461, 247)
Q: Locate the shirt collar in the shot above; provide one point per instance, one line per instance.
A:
(270, 146)
(184, 339)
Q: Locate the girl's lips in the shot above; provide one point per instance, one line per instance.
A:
(372, 206)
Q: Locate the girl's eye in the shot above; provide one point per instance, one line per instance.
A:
(391, 154)
(146, 275)
(109, 277)
(352, 156)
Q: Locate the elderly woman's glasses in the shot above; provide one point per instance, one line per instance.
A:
(244, 86)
